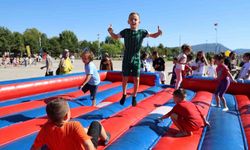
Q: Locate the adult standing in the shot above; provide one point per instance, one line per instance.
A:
(106, 63)
(65, 65)
(48, 65)
(159, 66)
(230, 62)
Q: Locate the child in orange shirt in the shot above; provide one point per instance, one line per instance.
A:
(186, 116)
(61, 134)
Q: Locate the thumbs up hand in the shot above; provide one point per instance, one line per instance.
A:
(159, 30)
(110, 29)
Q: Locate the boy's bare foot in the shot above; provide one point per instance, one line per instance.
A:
(183, 134)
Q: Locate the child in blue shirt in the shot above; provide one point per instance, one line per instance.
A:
(92, 79)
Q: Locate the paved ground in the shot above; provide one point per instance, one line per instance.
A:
(11, 73)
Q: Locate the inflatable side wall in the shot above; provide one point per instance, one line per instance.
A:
(20, 88)
(208, 84)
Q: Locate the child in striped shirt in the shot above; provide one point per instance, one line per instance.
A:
(133, 38)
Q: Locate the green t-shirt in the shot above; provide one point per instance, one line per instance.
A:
(133, 41)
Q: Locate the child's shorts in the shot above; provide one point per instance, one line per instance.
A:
(92, 89)
(131, 69)
(94, 131)
(162, 75)
(222, 87)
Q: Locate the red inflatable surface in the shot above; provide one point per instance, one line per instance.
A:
(244, 109)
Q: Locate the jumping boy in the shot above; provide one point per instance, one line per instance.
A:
(61, 134)
(92, 79)
(185, 115)
(133, 38)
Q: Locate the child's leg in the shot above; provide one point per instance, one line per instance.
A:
(97, 131)
(178, 78)
(124, 84)
(163, 77)
(136, 85)
(224, 102)
(93, 102)
(217, 100)
(174, 118)
(93, 90)
(124, 89)
(224, 86)
(183, 131)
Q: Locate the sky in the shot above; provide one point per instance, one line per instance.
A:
(182, 21)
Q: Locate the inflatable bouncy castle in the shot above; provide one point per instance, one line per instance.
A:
(22, 112)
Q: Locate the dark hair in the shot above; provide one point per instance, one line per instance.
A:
(57, 109)
(88, 51)
(190, 57)
(185, 47)
(175, 58)
(134, 13)
(202, 58)
(210, 58)
(246, 55)
(180, 93)
(144, 55)
(45, 51)
(219, 57)
(231, 53)
(155, 53)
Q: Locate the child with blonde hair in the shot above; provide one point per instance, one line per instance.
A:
(92, 79)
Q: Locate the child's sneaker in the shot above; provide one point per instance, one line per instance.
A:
(122, 101)
(134, 103)
(225, 109)
(108, 139)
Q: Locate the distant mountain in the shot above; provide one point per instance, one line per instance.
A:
(209, 47)
(242, 51)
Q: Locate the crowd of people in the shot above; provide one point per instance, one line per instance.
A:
(16, 60)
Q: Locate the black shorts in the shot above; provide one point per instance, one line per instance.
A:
(94, 131)
(92, 89)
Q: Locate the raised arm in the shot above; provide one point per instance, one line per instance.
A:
(205, 59)
(112, 34)
(155, 35)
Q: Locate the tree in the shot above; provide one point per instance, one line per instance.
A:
(54, 46)
(68, 40)
(32, 38)
(94, 47)
(44, 42)
(83, 44)
(18, 43)
(111, 46)
(5, 39)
